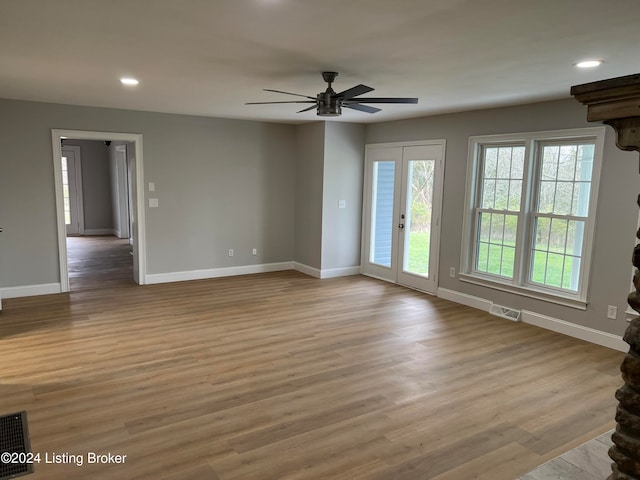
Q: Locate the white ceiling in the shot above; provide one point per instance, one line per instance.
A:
(208, 57)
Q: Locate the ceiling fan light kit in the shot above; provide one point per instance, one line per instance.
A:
(330, 104)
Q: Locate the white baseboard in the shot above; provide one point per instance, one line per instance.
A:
(339, 272)
(217, 272)
(577, 331)
(587, 334)
(50, 288)
(307, 270)
(465, 299)
(99, 231)
(327, 272)
(30, 290)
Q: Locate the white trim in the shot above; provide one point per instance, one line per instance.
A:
(153, 278)
(587, 334)
(339, 272)
(139, 234)
(465, 299)
(30, 290)
(413, 143)
(61, 224)
(541, 135)
(306, 269)
(100, 231)
(524, 291)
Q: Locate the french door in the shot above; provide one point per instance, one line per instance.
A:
(402, 206)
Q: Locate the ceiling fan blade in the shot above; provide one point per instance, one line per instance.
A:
(362, 108)
(288, 101)
(288, 93)
(308, 108)
(354, 92)
(384, 100)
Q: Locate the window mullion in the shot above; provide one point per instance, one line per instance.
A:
(524, 235)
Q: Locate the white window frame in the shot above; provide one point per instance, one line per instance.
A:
(520, 285)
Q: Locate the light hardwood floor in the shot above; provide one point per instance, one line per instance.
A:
(284, 376)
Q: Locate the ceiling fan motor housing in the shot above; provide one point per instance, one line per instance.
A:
(328, 105)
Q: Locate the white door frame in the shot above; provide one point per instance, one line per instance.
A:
(382, 272)
(139, 237)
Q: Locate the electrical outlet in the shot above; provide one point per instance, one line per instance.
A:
(254, 251)
(612, 312)
(452, 272)
(231, 252)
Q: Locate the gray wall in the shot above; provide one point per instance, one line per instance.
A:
(96, 184)
(617, 213)
(342, 180)
(225, 184)
(221, 184)
(308, 199)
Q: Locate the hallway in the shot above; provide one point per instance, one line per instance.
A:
(98, 261)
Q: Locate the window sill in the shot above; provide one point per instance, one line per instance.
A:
(525, 291)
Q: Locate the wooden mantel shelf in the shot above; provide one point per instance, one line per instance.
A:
(615, 102)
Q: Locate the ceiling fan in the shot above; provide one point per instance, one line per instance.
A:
(330, 103)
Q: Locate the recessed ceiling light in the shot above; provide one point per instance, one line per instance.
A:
(589, 63)
(129, 81)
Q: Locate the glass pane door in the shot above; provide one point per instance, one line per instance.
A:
(382, 213)
(383, 175)
(403, 190)
(419, 216)
(417, 221)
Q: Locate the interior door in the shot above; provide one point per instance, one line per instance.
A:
(122, 188)
(72, 190)
(402, 205)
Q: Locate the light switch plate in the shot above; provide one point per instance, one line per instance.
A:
(152, 187)
(153, 203)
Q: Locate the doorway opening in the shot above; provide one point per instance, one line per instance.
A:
(127, 207)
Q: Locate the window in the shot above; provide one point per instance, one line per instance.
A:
(530, 205)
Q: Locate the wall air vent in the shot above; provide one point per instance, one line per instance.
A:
(14, 442)
(505, 312)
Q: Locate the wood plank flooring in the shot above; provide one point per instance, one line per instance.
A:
(284, 376)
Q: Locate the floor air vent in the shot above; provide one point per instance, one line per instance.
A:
(505, 312)
(14, 440)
